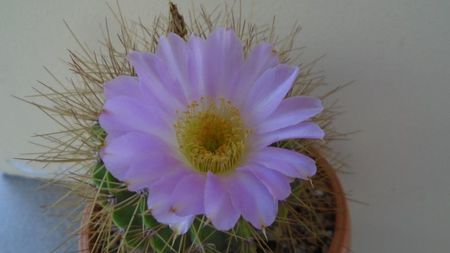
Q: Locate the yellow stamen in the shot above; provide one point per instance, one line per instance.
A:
(211, 135)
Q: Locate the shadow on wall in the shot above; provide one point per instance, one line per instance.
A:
(25, 225)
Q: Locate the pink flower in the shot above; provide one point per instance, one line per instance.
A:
(195, 128)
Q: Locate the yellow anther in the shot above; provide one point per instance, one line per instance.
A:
(211, 135)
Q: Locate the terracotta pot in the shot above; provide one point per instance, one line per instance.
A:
(342, 234)
(342, 231)
(83, 244)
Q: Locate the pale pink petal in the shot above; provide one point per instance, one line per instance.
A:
(123, 86)
(218, 206)
(276, 183)
(261, 58)
(119, 153)
(198, 68)
(291, 111)
(287, 162)
(179, 224)
(131, 88)
(173, 52)
(123, 114)
(158, 81)
(268, 92)
(304, 130)
(159, 198)
(182, 225)
(188, 195)
(143, 172)
(224, 54)
(252, 198)
(214, 63)
(195, 65)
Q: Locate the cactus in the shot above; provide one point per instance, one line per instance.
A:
(129, 211)
(140, 232)
(120, 221)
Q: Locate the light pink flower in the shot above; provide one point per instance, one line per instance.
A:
(195, 128)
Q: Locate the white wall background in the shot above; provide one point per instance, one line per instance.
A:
(397, 51)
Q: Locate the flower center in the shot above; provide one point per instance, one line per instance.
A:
(211, 135)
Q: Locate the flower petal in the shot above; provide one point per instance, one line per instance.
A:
(287, 162)
(123, 114)
(218, 206)
(159, 202)
(261, 58)
(304, 130)
(252, 199)
(198, 67)
(182, 225)
(224, 60)
(142, 173)
(276, 183)
(122, 86)
(208, 75)
(119, 153)
(268, 91)
(157, 80)
(291, 111)
(159, 198)
(173, 51)
(188, 195)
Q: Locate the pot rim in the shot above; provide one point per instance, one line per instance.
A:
(342, 227)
